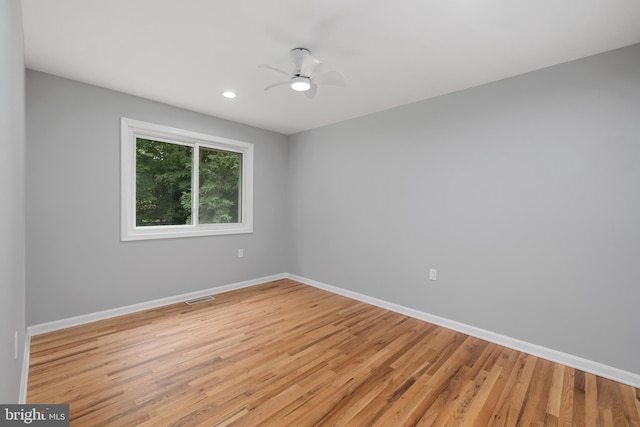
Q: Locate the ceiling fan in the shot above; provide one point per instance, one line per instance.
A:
(305, 78)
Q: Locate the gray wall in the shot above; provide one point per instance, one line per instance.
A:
(12, 201)
(76, 263)
(524, 194)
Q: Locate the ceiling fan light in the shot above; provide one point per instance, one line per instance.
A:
(300, 84)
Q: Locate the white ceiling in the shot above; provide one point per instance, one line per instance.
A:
(186, 52)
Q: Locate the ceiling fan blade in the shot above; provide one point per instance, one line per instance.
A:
(332, 78)
(311, 93)
(276, 84)
(277, 70)
(311, 65)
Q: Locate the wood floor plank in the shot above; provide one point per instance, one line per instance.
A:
(555, 394)
(591, 400)
(287, 354)
(567, 398)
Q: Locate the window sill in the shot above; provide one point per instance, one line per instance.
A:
(168, 232)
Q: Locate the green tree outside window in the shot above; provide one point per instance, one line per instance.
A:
(164, 184)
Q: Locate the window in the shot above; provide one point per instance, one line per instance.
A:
(177, 183)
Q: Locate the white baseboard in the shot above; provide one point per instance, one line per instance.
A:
(576, 362)
(55, 325)
(24, 379)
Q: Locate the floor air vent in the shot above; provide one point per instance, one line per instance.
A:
(200, 300)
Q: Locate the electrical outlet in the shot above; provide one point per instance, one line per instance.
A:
(240, 253)
(433, 274)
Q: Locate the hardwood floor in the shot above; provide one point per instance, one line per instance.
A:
(286, 354)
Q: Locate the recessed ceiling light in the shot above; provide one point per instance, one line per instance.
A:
(229, 94)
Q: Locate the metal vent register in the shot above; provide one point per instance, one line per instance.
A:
(200, 300)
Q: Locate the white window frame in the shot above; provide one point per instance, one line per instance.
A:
(131, 130)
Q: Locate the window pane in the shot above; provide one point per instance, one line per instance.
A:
(219, 196)
(163, 183)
